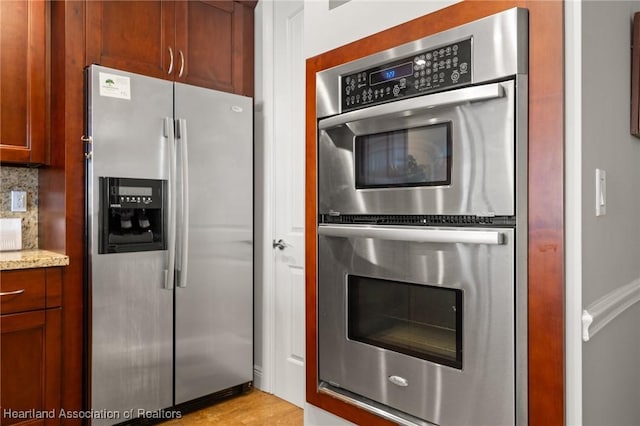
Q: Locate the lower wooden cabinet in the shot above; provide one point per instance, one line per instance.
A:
(30, 348)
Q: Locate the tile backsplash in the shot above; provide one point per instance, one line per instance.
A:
(21, 179)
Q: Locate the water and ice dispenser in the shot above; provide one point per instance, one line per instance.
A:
(133, 215)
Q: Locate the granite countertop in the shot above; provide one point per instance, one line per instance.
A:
(25, 259)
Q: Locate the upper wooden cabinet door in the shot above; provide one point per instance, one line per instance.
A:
(134, 36)
(203, 43)
(215, 41)
(23, 70)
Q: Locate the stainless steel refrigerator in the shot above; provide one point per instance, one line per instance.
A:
(169, 243)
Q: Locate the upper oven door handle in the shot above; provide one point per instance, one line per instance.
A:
(413, 234)
(469, 94)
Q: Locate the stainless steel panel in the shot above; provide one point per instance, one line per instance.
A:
(460, 96)
(378, 409)
(522, 236)
(131, 313)
(483, 171)
(483, 391)
(214, 317)
(413, 234)
(131, 335)
(500, 49)
(128, 135)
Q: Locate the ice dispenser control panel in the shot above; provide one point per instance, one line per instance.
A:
(132, 215)
(135, 196)
(424, 72)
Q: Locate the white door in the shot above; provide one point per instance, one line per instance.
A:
(288, 207)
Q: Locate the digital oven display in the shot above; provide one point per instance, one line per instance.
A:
(393, 73)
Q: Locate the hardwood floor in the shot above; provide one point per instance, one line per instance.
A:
(252, 409)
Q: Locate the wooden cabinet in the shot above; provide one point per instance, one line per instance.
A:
(23, 70)
(136, 36)
(216, 38)
(203, 43)
(30, 346)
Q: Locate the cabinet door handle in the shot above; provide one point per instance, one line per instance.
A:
(11, 293)
(170, 63)
(182, 63)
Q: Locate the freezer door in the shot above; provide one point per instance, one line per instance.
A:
(214, 305)
(131, 314)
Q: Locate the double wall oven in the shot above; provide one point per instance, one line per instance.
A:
(422, 215)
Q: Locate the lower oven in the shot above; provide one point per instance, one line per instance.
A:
(419, 319)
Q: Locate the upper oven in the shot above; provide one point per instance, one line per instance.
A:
(437, 126)
(448, 153)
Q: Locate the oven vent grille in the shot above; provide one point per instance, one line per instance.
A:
(420, 220)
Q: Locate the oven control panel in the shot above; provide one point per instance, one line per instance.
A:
(427, 71)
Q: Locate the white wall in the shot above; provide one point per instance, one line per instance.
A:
(327, 29)
(609, 254)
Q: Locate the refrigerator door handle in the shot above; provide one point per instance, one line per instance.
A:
(169, 275)
(184, 204)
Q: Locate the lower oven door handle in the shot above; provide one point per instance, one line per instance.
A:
(418, 235)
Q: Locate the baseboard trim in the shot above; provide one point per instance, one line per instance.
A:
(257, 377)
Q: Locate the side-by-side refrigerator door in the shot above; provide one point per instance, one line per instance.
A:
(131, 311)
(214, 259)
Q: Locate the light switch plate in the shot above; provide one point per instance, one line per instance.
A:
(10, 234)
(18, 201)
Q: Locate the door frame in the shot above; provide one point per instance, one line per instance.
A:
(266, 198)
(264, 108)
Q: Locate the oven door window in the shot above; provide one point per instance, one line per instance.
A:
(417, 320)
(419, 156)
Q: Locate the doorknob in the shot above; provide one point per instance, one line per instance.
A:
(280, 244)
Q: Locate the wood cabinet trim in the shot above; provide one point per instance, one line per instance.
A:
(53, 363)
(546, 208)
(37, 81)
(22, 320)
(54, 287)
(243, 45)
(226, 5)
(61, 208)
